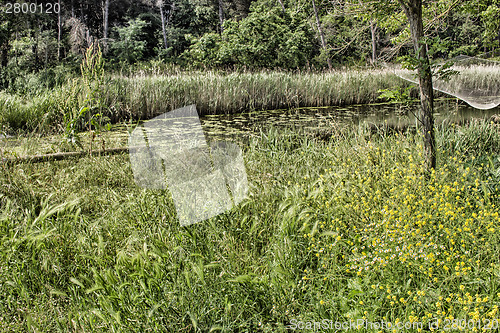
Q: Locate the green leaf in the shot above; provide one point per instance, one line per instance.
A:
(94, 288)
(355, 292)
(58, 293)
(75, 281)
(242, 279)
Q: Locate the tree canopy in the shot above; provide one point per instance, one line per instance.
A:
(240, 33)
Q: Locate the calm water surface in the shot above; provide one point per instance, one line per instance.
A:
(239, 127)
(315, 119)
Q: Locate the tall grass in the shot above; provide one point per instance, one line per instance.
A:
(145, 96)
(42, 113)
(480, 78)
(84, 249)
(216, 93)
(475, 81)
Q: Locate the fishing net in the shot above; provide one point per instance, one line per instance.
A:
(473, 80)
(170, 151)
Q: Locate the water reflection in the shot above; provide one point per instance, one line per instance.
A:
(239, 127)
(245, 124)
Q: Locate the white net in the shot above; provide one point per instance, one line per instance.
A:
(476, 81)
(170, 151)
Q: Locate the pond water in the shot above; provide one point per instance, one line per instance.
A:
(239, 127)
(323, 118)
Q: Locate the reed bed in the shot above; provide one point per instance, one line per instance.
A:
(145, 96)
(477, 84)
(478, 79)
(215, 93)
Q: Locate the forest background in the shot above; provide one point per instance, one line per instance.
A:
(43, 50)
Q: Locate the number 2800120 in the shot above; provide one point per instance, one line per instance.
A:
(31, 8)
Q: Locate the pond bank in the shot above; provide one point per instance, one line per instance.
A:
(146, 96)
(319, 122)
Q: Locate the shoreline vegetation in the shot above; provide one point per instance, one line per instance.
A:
(325, 233)
(143, 96)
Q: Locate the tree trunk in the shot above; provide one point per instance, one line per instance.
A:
(59, 31)
(322, 35)
(62, 156)
(46, 57)
(221, 16)
(373, 29)
(282, 6)
(499, 36)
(4, 53)
(163, 26)
(5, 46)
(34, 46)
(105, 24)
(34, 49)
(413, 10)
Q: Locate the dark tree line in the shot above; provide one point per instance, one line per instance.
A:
(251, 33)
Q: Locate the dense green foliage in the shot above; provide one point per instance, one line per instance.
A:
(267, 37)
(254, 33)
(343, 227)
(84, 249)
(130, 45)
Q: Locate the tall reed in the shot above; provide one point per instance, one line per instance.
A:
(143, 96)
(216, 93)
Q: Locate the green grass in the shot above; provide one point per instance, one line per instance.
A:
(143, 96)
(476, 77)
(475, 81)
(83, 249)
